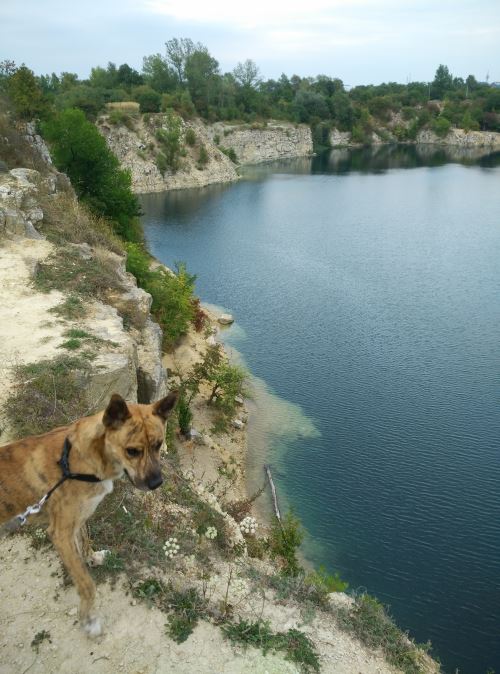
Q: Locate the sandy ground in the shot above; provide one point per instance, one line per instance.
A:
(29, 332)
(33, 599)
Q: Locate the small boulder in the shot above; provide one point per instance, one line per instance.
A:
(238, 424)
(225, 319)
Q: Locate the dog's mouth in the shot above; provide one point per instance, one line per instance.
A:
(144, 485)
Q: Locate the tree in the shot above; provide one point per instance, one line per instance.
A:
(201, 72)
(148, 98)
(158, 74)
(25, 94)
(128, 77)
(80, 151)
(7, 69)
(178, 50)
(308, 105)
(247, 74)
(443, 82)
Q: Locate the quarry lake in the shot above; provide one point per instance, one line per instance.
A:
(365, 289)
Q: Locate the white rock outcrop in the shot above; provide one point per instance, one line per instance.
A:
(256, 144)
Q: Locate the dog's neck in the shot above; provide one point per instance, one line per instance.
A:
(88, 453)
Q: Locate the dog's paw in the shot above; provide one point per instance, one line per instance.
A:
(92, 627)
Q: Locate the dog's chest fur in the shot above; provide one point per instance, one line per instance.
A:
(89, 506)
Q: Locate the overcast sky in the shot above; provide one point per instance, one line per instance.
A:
(360, 41)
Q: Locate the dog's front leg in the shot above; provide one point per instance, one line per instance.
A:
(64, 531)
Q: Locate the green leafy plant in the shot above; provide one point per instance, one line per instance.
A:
(284, 540)
(296, 646)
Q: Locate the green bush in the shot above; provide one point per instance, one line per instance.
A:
(285, 538)
(202, 157)
(190, 136)
(441, 125)
(229, 152)
(121, 117)
(169, 140)
(296, 646)
(79, 150)
(172, 294)
(184, 414)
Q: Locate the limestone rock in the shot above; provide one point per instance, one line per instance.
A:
(225, 319)
(275, 140)
(151, 375)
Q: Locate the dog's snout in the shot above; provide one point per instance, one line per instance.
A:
(154, 481)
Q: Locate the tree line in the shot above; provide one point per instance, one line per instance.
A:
(188, 79)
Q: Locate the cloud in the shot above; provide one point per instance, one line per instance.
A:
(257, 14)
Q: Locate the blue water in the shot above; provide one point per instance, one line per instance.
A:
(366, 289)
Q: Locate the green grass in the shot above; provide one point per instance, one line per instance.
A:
(187, 608)
(296, 646)
(67, 270)
(72, 308)
(47, 394)
(369, 621)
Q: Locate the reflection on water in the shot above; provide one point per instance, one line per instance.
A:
(364, 297)
(377, 159)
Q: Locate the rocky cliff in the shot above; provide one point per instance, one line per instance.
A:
(456, 138)
(254, 144)
(126, 356)
(137, 147)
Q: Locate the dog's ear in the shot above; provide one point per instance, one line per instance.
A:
(165, 405)
(116, 413)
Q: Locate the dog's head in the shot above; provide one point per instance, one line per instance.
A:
(134, 436)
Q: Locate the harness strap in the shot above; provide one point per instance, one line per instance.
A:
(34, 509)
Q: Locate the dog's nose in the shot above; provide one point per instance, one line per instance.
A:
(155, 481)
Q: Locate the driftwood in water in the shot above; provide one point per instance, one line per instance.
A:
(273, 491)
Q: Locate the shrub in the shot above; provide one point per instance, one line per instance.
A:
(169, 140)
(226, 381)
(229, 152)
(286, 537)
(187, 608)
(172, 294)
(296, 646)
(184, 414)
(148, 99)
(190, 136)
(441, 125)
(202, 157)
(122, 117)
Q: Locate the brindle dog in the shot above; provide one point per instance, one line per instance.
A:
(125, 439)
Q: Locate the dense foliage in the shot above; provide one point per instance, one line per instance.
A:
(79, 150)
(188, 79)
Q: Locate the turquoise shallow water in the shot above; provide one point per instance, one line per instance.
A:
(365, 286)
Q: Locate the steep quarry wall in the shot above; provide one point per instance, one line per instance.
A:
(456, 138)
(125, 360)
(137, 148)
(256, 144)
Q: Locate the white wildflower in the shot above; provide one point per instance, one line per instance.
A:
(248, 526)
(171, 548)
(211, 532)
(40, 534)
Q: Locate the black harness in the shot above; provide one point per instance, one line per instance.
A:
(66, 473)
(34, 509)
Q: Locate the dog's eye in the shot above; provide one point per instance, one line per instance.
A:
(133, 452)
(157, 446)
